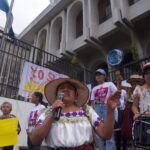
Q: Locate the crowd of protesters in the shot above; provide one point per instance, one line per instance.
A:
(134, 101)
(114, 107)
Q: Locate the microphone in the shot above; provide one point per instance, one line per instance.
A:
(57, 111)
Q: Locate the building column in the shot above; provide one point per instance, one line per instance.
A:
(47, 38)
(115, 8)
(139, 47)
(93, 18)
(124, 7)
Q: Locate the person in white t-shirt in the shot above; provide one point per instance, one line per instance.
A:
(37, 98)
(99, 96)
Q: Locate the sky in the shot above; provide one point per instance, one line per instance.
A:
(24, 12)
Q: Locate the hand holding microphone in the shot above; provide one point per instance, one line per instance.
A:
(57, 110)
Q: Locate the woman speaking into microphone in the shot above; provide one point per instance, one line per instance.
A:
(73, 130)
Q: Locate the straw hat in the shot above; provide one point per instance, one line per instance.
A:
(135, 78)
(51, 87)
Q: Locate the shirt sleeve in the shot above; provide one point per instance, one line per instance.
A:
(93, 117)
(92, 95)
(113, 88)
(44, 113)
(136, 92)
(41, 111)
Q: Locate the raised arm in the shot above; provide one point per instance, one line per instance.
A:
(105, 129)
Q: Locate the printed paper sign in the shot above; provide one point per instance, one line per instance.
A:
(8, 132)
(34, 78)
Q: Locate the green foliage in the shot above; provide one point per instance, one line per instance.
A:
(74, 59)
(133, 47)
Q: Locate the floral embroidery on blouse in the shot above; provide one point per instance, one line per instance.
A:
(94, 121)
(74, 114)
(86, 114)
(71, 120)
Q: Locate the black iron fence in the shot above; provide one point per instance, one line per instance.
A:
(134, 67)
(14, 53)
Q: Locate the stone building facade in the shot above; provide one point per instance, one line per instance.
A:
(89, 29)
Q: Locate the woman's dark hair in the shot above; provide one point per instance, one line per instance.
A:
(40, 96)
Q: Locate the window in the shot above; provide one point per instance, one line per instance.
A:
(104, 10)
(56, 35)
(79, 24)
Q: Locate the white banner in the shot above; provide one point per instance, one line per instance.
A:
(34, 78)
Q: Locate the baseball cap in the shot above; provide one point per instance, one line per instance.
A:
(100, 71)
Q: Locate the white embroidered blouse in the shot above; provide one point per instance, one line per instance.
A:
(144, 94)
(73, 129)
